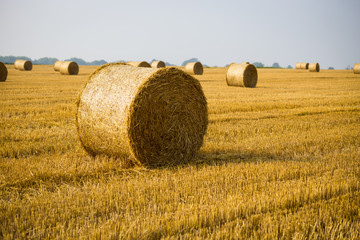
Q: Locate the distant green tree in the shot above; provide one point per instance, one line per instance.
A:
(190, 60)
(258, 64)
(289, 66)
(276, 65)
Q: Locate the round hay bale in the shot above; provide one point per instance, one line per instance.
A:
(158, 64)
(314, 67)
(244, 75)
(245, 63)
(194, 68)
(356, 68)
(23, 65)
(69, 68)
(3, 72)
(139, 64)
(304, 66)
(150, 116)
(298, 66)
(57, 65)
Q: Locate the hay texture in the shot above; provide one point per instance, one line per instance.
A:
(304, 66)
(3, 72)
(298, 66)
(69, 68)
(194, 68)
(243, 75)
(23, 65)
(158, 64)
(356, 68)
(314, 67)
(139, 64)
(149, 116)
(57, 65)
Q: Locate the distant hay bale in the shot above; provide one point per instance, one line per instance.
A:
(304, 65)
(194, 68)
(298, 66)
(158, 64)
(149, 116)
(356, 68)
(3, 72)
(57, 65)
(139, 64)
(69, 68)
(245, 63)
(23, 65)
(244, 75)
(314, 67)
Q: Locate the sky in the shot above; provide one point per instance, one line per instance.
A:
(215, 32)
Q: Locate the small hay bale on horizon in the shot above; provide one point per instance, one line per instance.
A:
(356, 68)
(304, 65)
(143, 64)
(69, 68)
(298, 66)
(23, 65)
(243, 75)
(194, 68)
(158, 64)
(3, 72)
(314, 67)
(57, 65)
(144, 116)
(245, 63)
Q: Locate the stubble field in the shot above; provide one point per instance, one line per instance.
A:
(281, 160)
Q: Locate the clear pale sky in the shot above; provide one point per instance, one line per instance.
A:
(215, 32)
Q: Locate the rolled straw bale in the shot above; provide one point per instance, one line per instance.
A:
(158, 64)
(304, 65)
(194, 68)
(139, 64)
(149, 116)
(23, 65)
(314, 67)
(356, 68)
(245, 63)
(298, 66)
(3, 72)
(57, 65)
(69, 68)
(244, 75)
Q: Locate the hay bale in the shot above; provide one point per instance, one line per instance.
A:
(194, 68)
(314, 67)
(149, 116)
(356, 68)
(243, 75)
(245, 63)
(139, 64)
(158, 64)
(3, 72)
(57, 65)
(23, 65)
(69, 68)
(304, 65)
(298, 66)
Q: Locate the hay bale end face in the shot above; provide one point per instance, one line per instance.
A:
(3, 72)
(356, 68)
(148, 116)
(57, 65)
(139, 64)
(194, 68)
(23, 65)
(314, 67)
(243, 75)
(158, 64)
(69, 68)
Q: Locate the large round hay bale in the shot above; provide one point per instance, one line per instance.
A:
(158, 64)
(3, 72)
(23, 65)
(57, 65)
(314, 67)
(356, 68)
(194, 68)
(139, 64)
(304, 65)
(298, 66)
(244, 75)
(149, 116)
(69, 68)
(245, 63)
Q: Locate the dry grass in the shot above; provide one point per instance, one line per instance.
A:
(279, 161)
